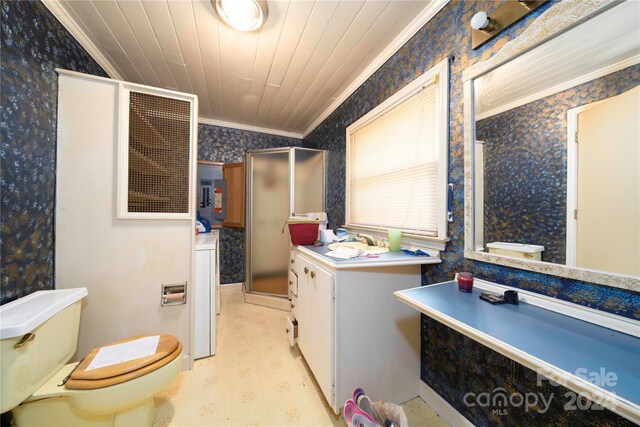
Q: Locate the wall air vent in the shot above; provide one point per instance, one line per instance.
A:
(159, 148)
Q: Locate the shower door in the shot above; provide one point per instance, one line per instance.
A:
(308, 180)
(280, 182)
(269, 204)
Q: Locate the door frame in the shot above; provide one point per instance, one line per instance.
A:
(478, 196)
(572, 180)
(280, 302)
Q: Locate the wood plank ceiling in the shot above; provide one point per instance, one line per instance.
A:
(286, 77)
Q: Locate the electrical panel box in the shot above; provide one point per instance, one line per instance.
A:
(212, 193)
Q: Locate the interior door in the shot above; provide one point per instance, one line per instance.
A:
(608, 196)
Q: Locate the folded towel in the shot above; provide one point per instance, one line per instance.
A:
(345, 253)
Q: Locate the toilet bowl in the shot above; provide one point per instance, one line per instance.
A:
(38, 335)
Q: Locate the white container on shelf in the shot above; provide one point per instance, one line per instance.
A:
(516, 250)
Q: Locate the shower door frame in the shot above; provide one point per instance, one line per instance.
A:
(261, 298)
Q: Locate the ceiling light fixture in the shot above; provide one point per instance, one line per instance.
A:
(243, 15)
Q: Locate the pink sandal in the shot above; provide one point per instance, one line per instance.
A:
(351, 409)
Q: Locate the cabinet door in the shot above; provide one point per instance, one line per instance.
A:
(213, 301)
(201, 304)
(304, 306)
(233, 173)
(322, 325)
(217, 276)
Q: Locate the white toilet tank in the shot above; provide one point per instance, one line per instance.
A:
(53, 317)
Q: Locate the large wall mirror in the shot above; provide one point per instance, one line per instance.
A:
(552, 147)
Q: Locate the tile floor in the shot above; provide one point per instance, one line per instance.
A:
(255, 379)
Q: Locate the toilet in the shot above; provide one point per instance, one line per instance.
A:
(516, 250)
(38, 336)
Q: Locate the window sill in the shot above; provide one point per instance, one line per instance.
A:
(431, 245)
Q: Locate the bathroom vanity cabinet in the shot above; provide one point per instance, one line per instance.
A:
(351, 330)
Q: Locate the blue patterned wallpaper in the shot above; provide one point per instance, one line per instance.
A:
(533, 137)
(33, 44)
(220, 144)
(447, 36)
(440, 39)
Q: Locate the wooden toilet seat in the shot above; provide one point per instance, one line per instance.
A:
(168, 349)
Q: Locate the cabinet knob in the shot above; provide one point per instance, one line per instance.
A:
(287, 330)
(306, 270)
(292, 261)
(290, 282)
(313, 274)
(293, 305)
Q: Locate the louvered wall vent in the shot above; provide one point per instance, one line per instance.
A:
(159, 131)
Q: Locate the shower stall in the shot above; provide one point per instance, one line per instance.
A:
(281, 182)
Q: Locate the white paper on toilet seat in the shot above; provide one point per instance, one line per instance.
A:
(118, 353)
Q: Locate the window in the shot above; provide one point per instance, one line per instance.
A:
(397, 161)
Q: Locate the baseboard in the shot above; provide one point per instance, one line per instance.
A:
(443, 408)
(268, 301)
(231, 288)
(187, 363)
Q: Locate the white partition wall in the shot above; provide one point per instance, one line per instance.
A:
(122, 262)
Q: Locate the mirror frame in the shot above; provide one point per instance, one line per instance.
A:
(557, 19)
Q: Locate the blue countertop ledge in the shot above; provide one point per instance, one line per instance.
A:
(575, 346)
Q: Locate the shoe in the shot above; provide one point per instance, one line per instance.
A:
(351, 410)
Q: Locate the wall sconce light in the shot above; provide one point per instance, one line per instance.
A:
(483, 22)
(485, 27)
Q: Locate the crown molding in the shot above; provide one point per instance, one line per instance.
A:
(213, 122)
(85, 41)
(402, 38)
(67, 22)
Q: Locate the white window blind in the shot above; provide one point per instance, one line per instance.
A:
(393, 166)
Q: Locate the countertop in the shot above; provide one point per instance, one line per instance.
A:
(389, 259)
(207, 241)
(538, 337)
